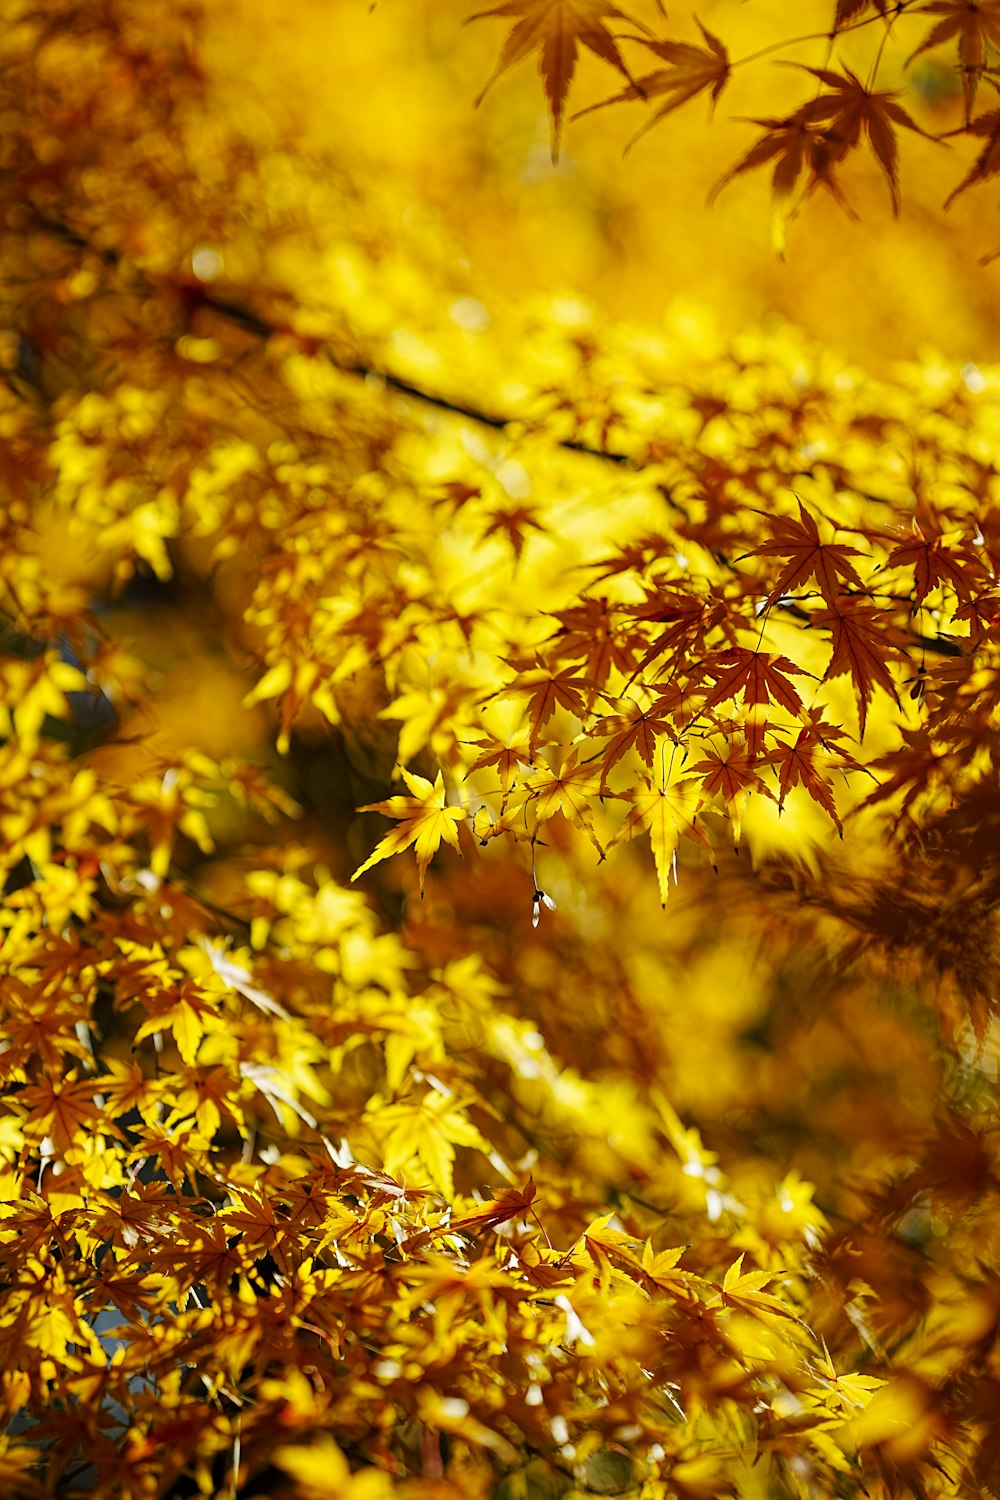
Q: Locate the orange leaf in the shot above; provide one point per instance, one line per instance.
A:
(761, 679)
(509, 1203)
(859, 647)
(734, 778)
(799, 541)
(798, 766)
(547, 690)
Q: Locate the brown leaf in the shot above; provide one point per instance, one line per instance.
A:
(761, 679)
(850, 110)
(509, 1203)
(860, 644)
(795, 146)
(847, 10)
(799, 541)
(987, 163)
(976, 24)
(556, 28)
(692, 70)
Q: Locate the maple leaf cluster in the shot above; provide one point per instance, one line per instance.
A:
(806, 148)
(326, 1172)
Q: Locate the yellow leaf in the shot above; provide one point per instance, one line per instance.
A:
(424, 822)
(273, 683)
(664, 807)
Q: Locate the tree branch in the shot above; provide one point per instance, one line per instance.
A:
(251, 322)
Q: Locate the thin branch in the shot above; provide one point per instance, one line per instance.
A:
(252, 322)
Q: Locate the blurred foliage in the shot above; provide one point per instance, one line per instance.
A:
(498, 776)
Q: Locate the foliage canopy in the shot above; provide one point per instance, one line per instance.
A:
(419, 1150)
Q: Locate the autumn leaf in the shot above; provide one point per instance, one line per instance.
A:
(687, 617)
(760, 679)
(976, 24)
(588, 632)
(733, 777)
(799, 764)
(662, 1272)
(424, 822)
(987, 163)
(935, 562)
(666, 808)
(916, 764)
(60, 1108)
(609, 1250)
(556, 28)
(546, 690)
(691, 71)
(426, 1131)
(567, 791)
(795, 145)
(509, 1203)
(513, 522)
(637, 729)
(422, 714)
(809, 557)
(848, 10)
(860, 644)
(744, 1289)
(851, 109)
(507, 759)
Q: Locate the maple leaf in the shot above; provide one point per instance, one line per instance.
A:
(798, 764)
(976, 23)
(733, 777)
(422, 715)
(809, 557)
(762, 679)
(662, 1272)
(795, 145)
(586, 630)
(556, 28)
(852, 109)
(743, 1289)
(428, 1131)
(848, 9)
(911, 767)
(424, 822)
(851, 1391)
(859, 644)
(509, 1203)
(933, 562)
(666, 809)
(547, 690)
(566, 791)
(60, 1108)
(691, 71)
(513, 522)
(608, 1250)
(987, 163)
(506, 758)
(982, 614)
(688, 619)
(636, 729)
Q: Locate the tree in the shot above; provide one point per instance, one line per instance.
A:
(369, 1125)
